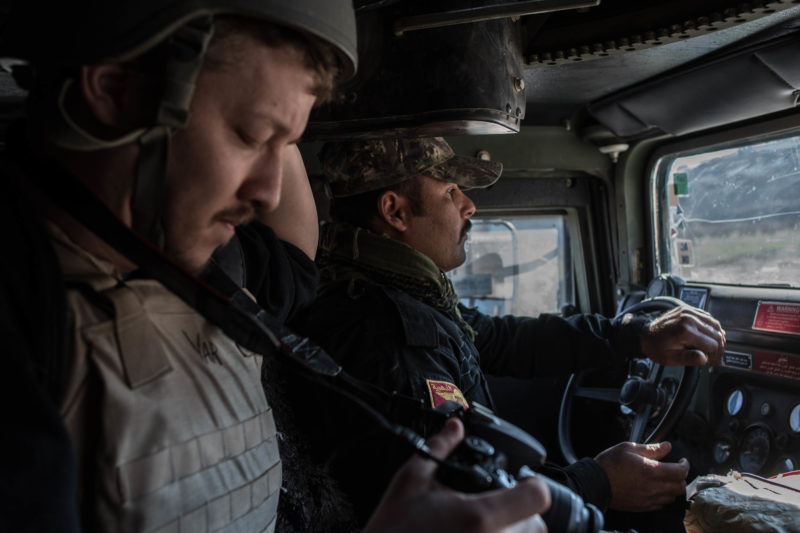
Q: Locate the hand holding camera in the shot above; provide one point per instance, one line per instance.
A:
(477, 466)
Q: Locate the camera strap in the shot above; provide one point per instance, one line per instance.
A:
(223, 303)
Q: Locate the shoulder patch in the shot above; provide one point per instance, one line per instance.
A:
(443, 391)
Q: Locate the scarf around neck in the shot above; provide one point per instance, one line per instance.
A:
(348, 254)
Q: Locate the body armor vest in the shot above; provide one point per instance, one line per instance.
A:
(167, 414)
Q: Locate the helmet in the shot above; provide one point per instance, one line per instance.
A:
(59, 34)
(94, 31)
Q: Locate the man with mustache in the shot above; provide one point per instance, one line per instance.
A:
(389, 314)
(153, 129)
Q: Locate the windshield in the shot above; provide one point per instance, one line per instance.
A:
(731, 214)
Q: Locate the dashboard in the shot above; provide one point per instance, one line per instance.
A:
(745, 414)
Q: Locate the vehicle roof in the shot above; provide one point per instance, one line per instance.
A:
(577, 65)
(581, 57)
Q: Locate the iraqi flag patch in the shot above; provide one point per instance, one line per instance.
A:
(443, 391)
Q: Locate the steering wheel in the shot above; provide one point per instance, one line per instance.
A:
(647, 397)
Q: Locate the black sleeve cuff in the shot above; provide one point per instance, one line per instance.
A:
(591, 482)
(586, 478)
(628, 334)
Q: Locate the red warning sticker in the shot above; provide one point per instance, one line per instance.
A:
(780, 317)
(776, 364)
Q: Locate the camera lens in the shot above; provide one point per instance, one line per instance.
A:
(568, 513)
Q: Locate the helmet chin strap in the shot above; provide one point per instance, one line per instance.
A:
(185, 50)
(147, 200)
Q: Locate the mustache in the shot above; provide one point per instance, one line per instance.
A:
(237, 216)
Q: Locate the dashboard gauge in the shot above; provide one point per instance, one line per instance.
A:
(694, 296)
(786, 464)
(794, 419)
(722, 452)
(735, 402)
(657, 287)
(755, 450)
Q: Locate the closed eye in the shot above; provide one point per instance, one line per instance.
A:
(246, 139)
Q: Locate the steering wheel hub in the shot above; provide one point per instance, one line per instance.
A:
(637, 393)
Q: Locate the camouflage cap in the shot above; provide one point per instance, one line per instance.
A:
(354, 167)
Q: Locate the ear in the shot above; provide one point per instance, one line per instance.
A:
(113, 95)
(393, 211)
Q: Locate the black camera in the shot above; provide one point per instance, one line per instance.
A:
(477, 465)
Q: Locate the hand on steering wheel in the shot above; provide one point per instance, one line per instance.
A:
(684, 335)
(647, 395)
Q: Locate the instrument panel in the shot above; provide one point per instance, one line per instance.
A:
(748, 407)
(755, 422)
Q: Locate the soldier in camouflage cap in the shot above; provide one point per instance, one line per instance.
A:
(390, 315)
(354, 167)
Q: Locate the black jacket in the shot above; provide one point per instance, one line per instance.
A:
(389, 339)
(283, 279)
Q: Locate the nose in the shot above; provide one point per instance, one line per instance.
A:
(262, 186)
(468, 208)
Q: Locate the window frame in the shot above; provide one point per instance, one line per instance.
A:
(584, 199)
(565, 259)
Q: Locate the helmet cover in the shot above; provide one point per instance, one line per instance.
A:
(83, 32)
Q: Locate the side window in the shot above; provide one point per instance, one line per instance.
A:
(731, 214)
(516, 265)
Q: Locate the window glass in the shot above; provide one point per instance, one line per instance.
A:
(517, 265)
(731, 215)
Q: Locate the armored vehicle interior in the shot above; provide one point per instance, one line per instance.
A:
(650, 149)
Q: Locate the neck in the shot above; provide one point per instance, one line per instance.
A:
(110, 175)
(87, 240)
